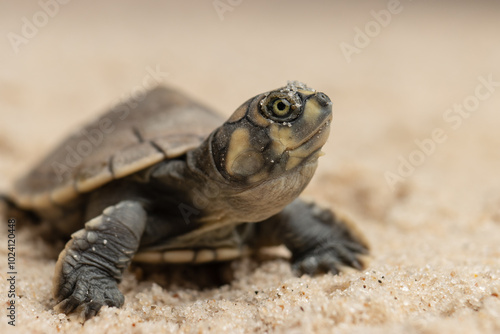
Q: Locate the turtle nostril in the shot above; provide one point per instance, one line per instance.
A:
(323, 99)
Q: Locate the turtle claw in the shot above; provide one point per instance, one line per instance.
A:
(91, 290)
(68, 305)
(91, 309)
(326, 259)
(330, 242)
(312, 265)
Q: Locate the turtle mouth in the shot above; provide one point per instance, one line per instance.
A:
(321, 131)
(309, 150)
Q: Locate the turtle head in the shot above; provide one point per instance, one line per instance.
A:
(271, 143)
(272, 134)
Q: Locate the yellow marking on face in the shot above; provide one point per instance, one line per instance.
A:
(278, 146)
(296, 158)
(242, 159)
(306, 92)
(238, 144)
(312, 111)
(287, 136)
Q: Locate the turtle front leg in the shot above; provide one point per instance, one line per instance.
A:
(91, 265)
(318, 239)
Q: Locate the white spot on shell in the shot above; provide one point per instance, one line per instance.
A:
(105, 241)
(93, 249)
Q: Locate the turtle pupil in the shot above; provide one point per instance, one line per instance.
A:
(281, 107)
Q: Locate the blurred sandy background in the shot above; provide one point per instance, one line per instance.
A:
(435, 237)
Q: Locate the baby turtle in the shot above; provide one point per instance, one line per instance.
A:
(162, 181)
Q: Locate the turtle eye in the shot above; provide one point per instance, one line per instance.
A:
(281, 107)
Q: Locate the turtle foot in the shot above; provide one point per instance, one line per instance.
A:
(87, 288)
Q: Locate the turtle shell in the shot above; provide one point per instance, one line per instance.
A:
(159, 125)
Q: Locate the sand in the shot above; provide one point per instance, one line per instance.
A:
(434, 228)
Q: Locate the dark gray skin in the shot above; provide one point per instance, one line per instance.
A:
(243, 181)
